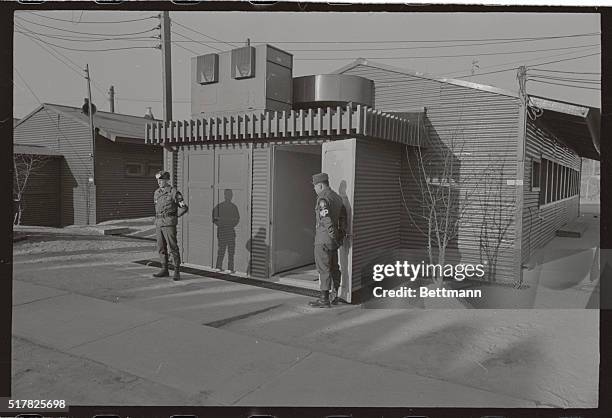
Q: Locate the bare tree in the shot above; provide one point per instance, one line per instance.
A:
(440, 194)
(24, 165)
(497, 216)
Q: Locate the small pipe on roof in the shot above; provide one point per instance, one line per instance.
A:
(111, 98)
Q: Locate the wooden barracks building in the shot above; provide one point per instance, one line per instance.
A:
(257, 135)
(73, 188)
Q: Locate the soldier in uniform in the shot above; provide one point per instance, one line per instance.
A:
(169, 206)
(330, 216)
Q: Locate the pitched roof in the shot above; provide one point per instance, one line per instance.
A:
(457, 82)
(114, 126)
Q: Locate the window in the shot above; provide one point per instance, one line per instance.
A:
(544, 187)
(536, 174)
(152, 169)
(134, 169)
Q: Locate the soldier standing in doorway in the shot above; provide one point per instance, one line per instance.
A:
(169, 206)
(330, 215)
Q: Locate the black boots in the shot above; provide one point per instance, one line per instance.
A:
(322, 302)
(163, 272)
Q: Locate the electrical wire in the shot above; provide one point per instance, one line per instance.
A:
(452, 56)
(547, 70)
(83, 39)
(92, 50)
(568, 59)
(77, 153)
(413, 41)
(187, 49)
(203, 34)
(571, 80)
(127, 99)
(565, 85)
(193, 40)
(407, 47)
(111, 21)
(87, 33)
(77, 68)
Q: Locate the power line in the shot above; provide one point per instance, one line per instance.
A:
(50, 50)
(410, 41)
(92, 50)
(126, 99)
(569, 79)
(205, 35)
(451, 56)
(111, 21)
(522, 62)
(567, 59)
(187, 49)
(515, 68)
(547, 70)
(87, 33)
(565, 85)
(77, 153)
(407, 47)
(193, 40)
(83, 39)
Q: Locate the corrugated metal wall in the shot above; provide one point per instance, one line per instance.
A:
(260, 211)
(484, 126)
(72, 140)
(377, 204)
(541, 222)
(41, 199)
(122, 196)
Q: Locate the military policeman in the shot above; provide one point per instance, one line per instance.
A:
(330, 215)
(169, 206)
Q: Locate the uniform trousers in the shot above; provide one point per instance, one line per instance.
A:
(166, 242)
(328, 268)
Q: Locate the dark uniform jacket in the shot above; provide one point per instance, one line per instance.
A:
(330, 215)
(169, 204)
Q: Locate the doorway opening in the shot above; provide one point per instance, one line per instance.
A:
(293, 223)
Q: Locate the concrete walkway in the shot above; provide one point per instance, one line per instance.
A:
(226, 367)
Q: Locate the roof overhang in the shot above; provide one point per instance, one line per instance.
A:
(328, 122)
(576, 126)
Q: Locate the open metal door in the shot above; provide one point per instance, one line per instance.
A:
(197, 225)
(338, 161)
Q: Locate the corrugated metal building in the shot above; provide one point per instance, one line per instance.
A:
(119, 184)
(265, 157)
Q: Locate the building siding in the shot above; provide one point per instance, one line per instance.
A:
(72, 140)
(376, 211)
(41, 198)
(260, 211)
(484, 128)
(119, 195)
(541, 222)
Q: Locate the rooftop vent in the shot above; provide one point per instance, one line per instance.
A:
(332, 90)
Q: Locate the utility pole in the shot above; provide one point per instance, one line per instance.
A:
(91, 182)
(169, 155)
(520, 174)
(111, 98)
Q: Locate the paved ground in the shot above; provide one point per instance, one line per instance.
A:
(93, 327)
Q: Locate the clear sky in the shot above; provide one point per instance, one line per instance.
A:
(324, 42)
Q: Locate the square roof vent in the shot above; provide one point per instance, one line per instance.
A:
(243, 62)
(207, 69)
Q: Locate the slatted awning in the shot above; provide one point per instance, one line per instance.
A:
(575, 125)
(334, 122)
